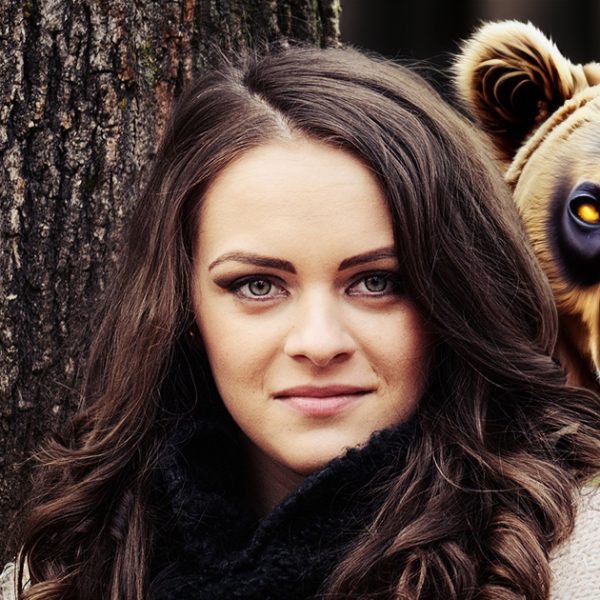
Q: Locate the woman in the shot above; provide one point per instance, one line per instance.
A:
(324, 369)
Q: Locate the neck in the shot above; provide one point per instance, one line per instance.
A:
(268, 482)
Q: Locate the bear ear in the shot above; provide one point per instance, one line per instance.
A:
(512, 78)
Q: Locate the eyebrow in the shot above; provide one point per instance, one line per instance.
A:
(258, 260)
(367, 257)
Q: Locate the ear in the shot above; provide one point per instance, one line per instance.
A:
(512, 78)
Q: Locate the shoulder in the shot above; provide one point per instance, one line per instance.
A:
(576, 563)
(7, 582)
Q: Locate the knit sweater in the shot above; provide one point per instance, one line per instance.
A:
(576, 564)
(215, 548)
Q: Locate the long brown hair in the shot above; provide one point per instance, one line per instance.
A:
(502, 443)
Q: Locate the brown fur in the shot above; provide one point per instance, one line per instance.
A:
(542, 114)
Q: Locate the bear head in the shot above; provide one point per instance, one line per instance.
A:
(542, 114)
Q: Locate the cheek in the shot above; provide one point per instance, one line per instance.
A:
(399, 330)
(240, 350)
(401, 351)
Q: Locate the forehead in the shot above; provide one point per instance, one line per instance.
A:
(569, 156)
(575, 144)
(582, 148)
(292, 189)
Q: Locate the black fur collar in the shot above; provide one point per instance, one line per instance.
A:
(213, 547)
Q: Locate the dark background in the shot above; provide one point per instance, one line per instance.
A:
(432, 29)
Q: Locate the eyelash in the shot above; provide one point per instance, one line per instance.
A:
(393, 280)
(236, 286)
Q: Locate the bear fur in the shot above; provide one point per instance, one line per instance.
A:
(542, 115)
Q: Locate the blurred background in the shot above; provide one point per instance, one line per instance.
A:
(432, 29)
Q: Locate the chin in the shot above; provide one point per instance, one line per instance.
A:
(309, 467)
(317, 458)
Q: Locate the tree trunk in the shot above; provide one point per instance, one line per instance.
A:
(85, 86)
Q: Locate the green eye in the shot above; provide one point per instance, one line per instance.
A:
(259, 287)
(255, 288)
(376, 283)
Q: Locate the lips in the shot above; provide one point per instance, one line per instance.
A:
(321, 401)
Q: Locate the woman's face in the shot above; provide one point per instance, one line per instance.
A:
(299, 301)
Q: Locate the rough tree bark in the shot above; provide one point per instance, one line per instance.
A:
(84, 89)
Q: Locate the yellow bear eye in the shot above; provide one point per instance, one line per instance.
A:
(588, 213)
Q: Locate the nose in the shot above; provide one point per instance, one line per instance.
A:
(319, 333)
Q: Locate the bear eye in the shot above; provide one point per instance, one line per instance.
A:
(586, 209)
(588, 213)
(576, 234)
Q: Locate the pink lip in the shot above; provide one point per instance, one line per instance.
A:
(325, 401)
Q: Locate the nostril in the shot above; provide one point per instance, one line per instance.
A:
(584, 210)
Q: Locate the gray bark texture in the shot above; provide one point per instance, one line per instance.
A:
(85, 86)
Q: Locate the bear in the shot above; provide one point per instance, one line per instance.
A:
(541, 113)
